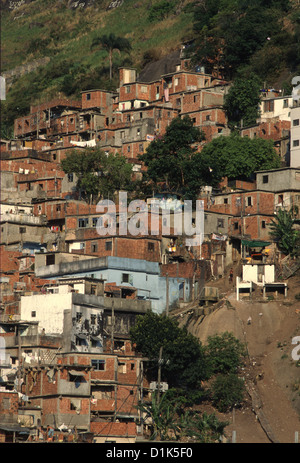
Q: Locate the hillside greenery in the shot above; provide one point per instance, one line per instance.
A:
(259, 37)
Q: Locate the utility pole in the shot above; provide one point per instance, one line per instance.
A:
(112, 324)
(167, 294)
(159, 374)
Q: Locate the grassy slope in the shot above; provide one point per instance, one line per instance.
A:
(69, 33)
(48, 28)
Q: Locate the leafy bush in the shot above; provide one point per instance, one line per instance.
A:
(224, 353)
(161, 10)
(227, 392)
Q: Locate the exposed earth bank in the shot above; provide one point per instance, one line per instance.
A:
(271, 412)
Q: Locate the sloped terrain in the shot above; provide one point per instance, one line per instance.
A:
(271, 412)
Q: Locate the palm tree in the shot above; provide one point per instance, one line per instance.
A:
(283, 232)
(111, 43)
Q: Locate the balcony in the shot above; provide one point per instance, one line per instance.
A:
(24, 219)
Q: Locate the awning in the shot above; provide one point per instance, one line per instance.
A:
(255, 243)
(81, 336)
(14, 428)
(76, 373)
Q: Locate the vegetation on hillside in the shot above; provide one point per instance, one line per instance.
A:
(175, 166)
(284, 232)
(98, 176)
(238, 37)
(50, 28)
(195, 373)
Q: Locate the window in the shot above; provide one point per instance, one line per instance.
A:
(95, 220)
(269, 106)
(236, 225)
(195, 98)
(128, 149)
(151, 247)
(22, 229)
(108, 245)
(285, 103)
(263, 224)
(93, 316)
(207, 118)
(296, 143)
(88, 96)
(144, 89)
(94, 247)
(50, 259)
(78, 316)
(58, 207)
(33, 314)
(83, 223)
(127, 88)
(265, 179)
(220, 223)
(141, 147)
(295, 122)
(70, 177)
(225, 200)
(249, 201)
(98, 364)
(125, 277)
(81, 245)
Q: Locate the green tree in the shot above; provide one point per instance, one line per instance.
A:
(111, 43)
(239, 28)
(235, 157)
(241, 104)
(227, 392)
(283, 232)
(170, 159)
(224, 353)
(183, 361)
(98, 175)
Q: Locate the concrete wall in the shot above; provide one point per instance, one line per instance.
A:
(279, 179)
(48, 308)
(255, 273)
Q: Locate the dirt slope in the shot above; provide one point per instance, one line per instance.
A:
(272, 410)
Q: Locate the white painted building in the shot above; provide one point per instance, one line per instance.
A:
(295, 137)
(276, 107)
(47, 309)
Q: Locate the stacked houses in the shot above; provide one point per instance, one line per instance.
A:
(70, 296)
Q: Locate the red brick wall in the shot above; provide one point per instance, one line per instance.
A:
(113, 429)
(108, 374)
